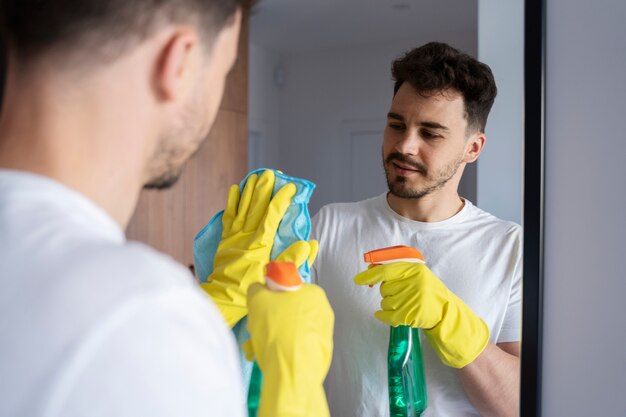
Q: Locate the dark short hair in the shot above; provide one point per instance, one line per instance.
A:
(437, 67)
(102, 28)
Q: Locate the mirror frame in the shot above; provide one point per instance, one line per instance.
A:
(533, 217)
(533, 213)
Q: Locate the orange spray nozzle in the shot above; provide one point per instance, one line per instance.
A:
(393, 254)
(282, 276)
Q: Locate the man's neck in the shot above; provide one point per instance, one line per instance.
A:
(434, 207)
(54, 130)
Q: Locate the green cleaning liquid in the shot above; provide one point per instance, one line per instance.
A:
(254, 390)
(407, 385)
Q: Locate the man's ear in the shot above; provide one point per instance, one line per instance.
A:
(176, 64)
(474, 147)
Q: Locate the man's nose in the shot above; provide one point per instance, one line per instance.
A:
(408, 143)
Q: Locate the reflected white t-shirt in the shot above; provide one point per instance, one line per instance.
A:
(92, 325)
(477, 256)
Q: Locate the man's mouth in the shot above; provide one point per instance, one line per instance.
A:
(404, 166)
(403, 169)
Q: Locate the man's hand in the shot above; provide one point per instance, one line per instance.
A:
(414, 296)
(291, 338)
(249, 223)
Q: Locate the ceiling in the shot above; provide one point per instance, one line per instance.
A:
(300, 25)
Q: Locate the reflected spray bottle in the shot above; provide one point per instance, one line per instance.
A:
(405, 364)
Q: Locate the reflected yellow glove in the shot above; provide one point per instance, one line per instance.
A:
(414, 296)
(249, 223)
(291, 338)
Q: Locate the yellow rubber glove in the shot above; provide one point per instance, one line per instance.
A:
(414, 296)
(298, 252)
(249, 224)
(291, 338)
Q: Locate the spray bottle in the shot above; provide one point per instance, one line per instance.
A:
(407, 385)
(280, 276)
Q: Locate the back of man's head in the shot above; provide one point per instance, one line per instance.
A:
(437, 67)
(96, 31)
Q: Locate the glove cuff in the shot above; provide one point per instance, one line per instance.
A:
(290, 401)
(460, 336)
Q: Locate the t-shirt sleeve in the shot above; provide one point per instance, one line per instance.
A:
(511, 325)
(164, 354)
(314, 275)
(315, 234)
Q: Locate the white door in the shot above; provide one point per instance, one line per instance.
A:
(366, 176)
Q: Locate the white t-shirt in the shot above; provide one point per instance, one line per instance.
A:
(92, 325)
(476, 255)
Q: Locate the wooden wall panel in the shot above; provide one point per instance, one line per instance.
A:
(169, 220)
(236, 93)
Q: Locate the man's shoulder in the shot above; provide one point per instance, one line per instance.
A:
(135, 258)
(124, 270)
(138, 279)
(130, 304)
(477, 215)
(128, 256)
(485, 215)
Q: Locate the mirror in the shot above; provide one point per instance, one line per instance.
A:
(320, 89)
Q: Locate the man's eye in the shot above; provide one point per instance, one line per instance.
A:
(396, 126)
(428, 134)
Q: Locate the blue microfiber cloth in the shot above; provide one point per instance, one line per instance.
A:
(295, 225)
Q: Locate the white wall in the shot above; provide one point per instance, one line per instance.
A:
(500, 45)
(326, 89)
(584, 355)
(330, 94)
(263, 109)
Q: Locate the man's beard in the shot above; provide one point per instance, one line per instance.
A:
(170, 157)
(400, 187)
(171, 168)
(165, 181)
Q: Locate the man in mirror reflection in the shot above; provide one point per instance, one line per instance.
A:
(104, 98)
(467, 298)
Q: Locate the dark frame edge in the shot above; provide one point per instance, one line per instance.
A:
(533, 222)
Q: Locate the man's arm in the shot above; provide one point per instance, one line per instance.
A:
(291, 337)
(249, 225)
(414, 296)
(163, 353)
(492, 380)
